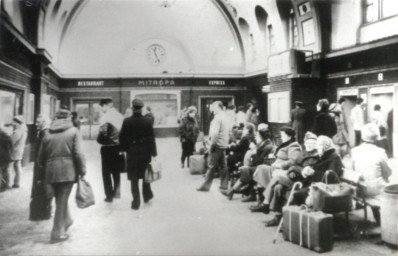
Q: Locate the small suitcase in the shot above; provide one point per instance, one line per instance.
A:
(197, 164)
(310, 229)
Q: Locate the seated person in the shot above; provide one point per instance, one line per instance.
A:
(238, 150)
(371, 162)
(237, 131)
(286, 155)
(263, 148)
(329, 160)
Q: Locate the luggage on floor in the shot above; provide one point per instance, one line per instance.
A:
(307, 228)
(197, 164)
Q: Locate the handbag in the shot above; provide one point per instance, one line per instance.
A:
(84, 194)
(153, 172)
(330, 198)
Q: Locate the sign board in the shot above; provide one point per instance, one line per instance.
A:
(382, 90)
(348, 92)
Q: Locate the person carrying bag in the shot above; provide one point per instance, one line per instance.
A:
(153, 172)
(84, 194)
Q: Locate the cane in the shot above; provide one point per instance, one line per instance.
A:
(295, 185)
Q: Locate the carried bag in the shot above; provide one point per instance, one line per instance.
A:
(84, 194)
(153, 172)
(330, 197)
(197, 164)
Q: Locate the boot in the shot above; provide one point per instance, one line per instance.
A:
(228, 193)
(251, 197)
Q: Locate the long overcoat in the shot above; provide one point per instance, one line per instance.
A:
(138, 140)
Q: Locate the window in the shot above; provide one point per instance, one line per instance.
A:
(271, 39)
(378, 9)
(279, 107)
(293, 32)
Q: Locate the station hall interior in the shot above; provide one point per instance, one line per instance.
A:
(173, 54)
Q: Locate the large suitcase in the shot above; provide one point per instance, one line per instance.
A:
(197, 164)
(307, 228)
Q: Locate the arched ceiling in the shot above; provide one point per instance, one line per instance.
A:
(111, 38)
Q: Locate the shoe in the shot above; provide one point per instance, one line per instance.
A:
(264, 208)
(108, 199)
(182, 165)
(68, 225)
(59, 239)
(15, 186)
(274, 222)
(135, 205)
(146, 200)
(202, 189)
(249, 198)
(116, 196)
(228, 193)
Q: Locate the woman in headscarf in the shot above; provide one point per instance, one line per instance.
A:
(329, 160)
(189, 132)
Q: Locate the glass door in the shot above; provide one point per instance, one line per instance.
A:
(89, 113)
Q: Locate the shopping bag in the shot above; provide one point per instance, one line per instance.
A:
(330, 197)
(153, 172)
(84, 194)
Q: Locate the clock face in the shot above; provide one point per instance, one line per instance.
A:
(155, 54)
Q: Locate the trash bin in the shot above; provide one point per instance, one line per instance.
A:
(389, 215)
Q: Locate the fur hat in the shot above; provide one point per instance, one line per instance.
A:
(370, 133)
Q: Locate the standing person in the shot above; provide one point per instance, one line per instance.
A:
(231, 112)
(75, 120)
(341, 137)
(390, 125)
(249, 112)
(377, 118)
(147, 112)
(253, 117)
(46, 192)
(18, 138)
(324, 123)
(112, 158)
(358, 120)
(297, 116)
(138, 140)
(5, 156)
(61, 157)
(219, 138)
(241, 116)
(189, 132)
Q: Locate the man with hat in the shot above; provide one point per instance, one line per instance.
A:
(112, 158)
(138, 140)
(297, 116)
(18, 139)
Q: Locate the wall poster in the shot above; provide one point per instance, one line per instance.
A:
(7, 106)
(308, 32)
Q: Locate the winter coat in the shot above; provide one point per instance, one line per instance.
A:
(110, 125)
(328, 161)
(189, 129)
(297, 116)
(138, 140)
(5, 149)
(18, 138)
(324, 125)
(341, 137)
(286, 155)
(263, 150)
(60, 153)
(303, 160)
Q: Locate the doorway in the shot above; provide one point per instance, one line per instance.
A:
(88, 113)
(204, 109)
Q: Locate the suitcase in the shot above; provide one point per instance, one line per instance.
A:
(310, 229)
(197, 164)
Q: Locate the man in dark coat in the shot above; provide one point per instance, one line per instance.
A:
(138, 140)
(297, 116)
(324, 124)
(5, 151)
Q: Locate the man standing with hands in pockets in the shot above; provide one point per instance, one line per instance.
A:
(219, 138)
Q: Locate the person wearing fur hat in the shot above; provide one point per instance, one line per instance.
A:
(137, 138)
(189, 132)
(18, 138)
(61, 157)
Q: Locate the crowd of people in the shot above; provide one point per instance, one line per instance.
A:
(238, 145)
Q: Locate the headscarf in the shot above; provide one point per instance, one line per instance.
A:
(326, 142)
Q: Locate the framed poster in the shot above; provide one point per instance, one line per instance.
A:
(7, 106)
(308, 32)
(30, 115)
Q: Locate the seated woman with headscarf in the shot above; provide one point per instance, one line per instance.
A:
(261, 151)
(238, 150)
(329, 160)
(275, 192)
(370, 162)
(286, 155)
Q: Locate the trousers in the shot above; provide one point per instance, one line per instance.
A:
(217, 162)
(135, 191)
(62, 218)
(111, 165)
(357, 138)
(187, 150)
(16, 166)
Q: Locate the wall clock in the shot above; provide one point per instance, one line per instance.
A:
(155, 54)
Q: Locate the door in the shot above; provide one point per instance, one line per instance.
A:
(88, 112)
(205, 114)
